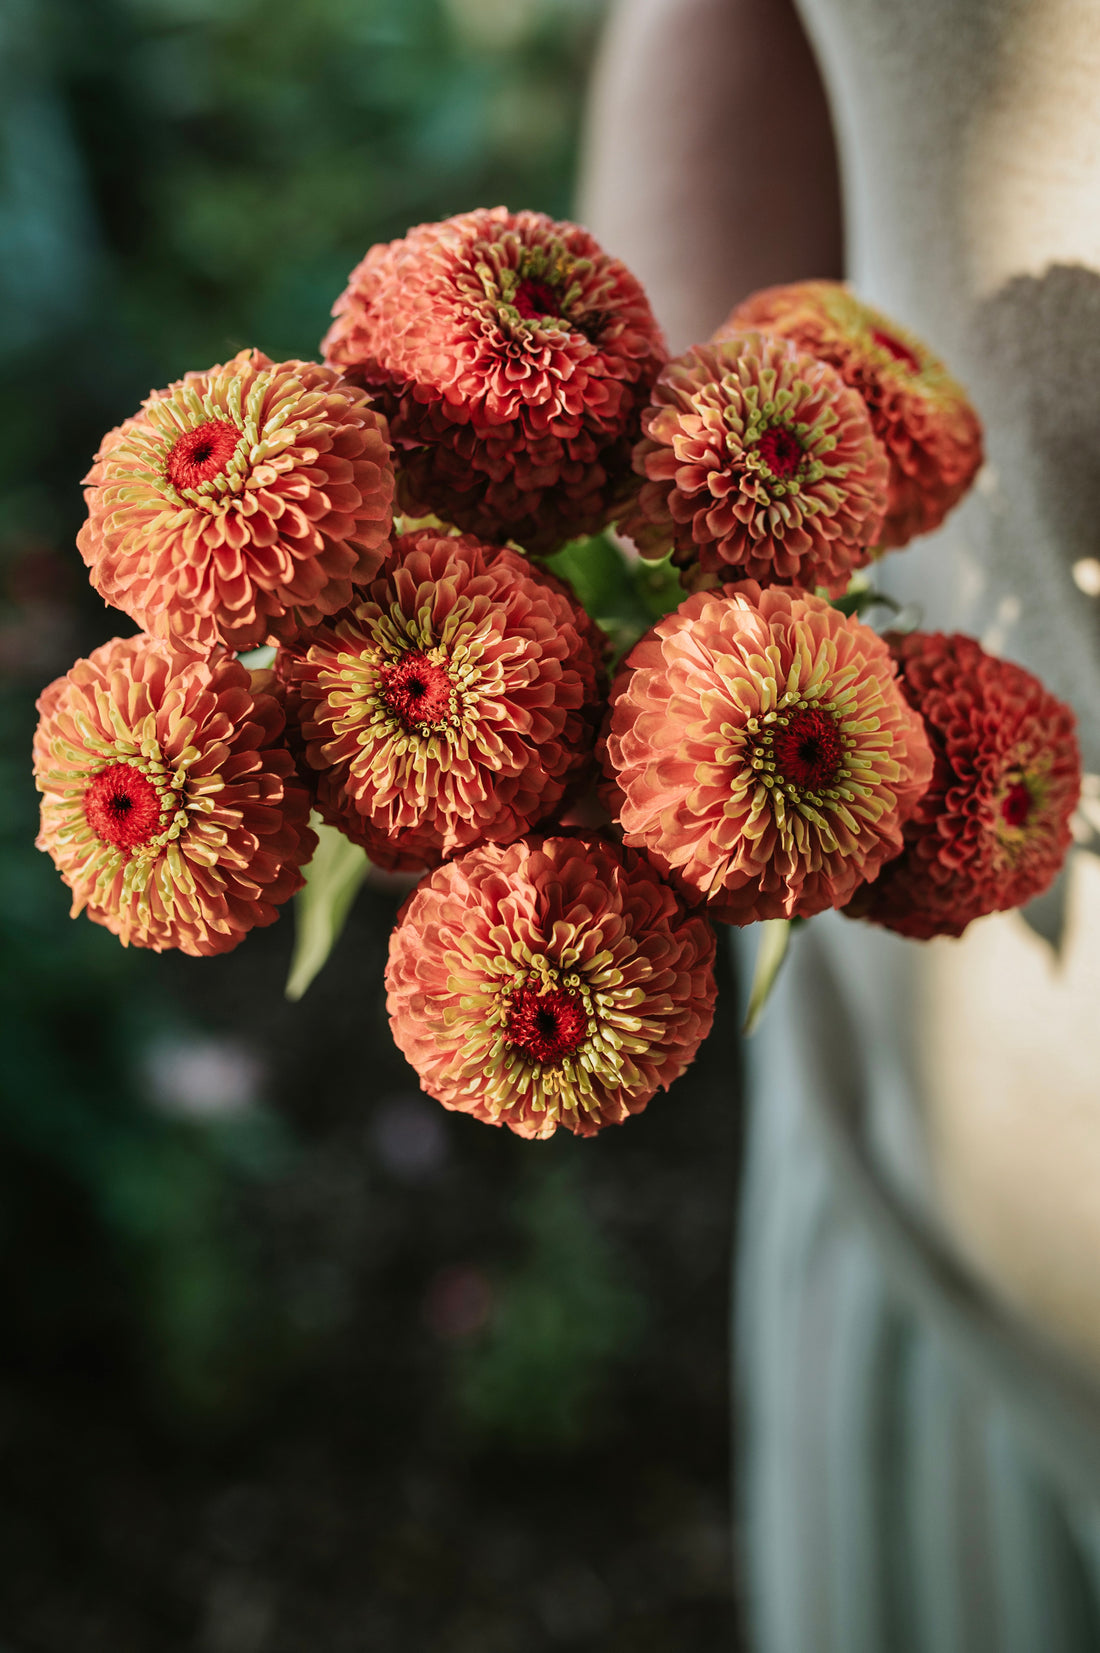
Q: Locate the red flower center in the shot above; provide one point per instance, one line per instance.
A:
(201, 453)
(782, 452)
(535, 298)
(547, 1027)
(418, 691)
(894, 347)
(810, 750)
(1016, 804)
(123, 807)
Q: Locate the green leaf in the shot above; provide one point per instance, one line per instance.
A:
(775, 936)
(658, 585)
(624, 598)
(597, 571)
(333, 878)
(259, 660)
(861, 598)
(858, 599)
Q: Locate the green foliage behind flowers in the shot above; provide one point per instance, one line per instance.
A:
(184, 177)
(624, 597)
(563, 1317)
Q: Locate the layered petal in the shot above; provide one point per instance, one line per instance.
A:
(923, 418)
(758, 463)
(512, 357)
(993, 829)
(241, 502)
(170, 802)
(455, 700)
(761, 753)
(549, 982)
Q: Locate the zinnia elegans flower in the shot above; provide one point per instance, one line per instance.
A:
(760, 463)
(550, 982)
(239, 503)
(993, 829)
(512, 357)
(170, 805)
(455, 700)
(763, 752)
(923, 418)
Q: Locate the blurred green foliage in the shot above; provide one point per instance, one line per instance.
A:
(184, 177)
(563, 1318)
(179, 178)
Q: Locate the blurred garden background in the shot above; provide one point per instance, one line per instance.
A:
(293, 1361)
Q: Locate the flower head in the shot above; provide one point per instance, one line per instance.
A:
(240, 502)
(763, 753)
(549, 982)
(993, 828)
(170, 805)
(922, 417)
(512, 357)
(455, 700)
(759, 463)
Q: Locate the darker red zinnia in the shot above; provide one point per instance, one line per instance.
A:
(993, 828)
(512, 357)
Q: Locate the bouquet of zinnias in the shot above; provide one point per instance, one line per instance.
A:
(437, 693)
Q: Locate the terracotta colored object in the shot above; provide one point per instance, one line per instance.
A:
(512, 357)
(551, 982)
(241, 502)
(762, 752)
(759, 463)
(920, 414)
(170, 804)
(455, 700)
(992, 831)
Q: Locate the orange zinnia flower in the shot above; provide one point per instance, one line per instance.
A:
(456, 699)
(759, 463)
(549, 982)
(170, 804)
(241, 502)
(762, 752)
(923, 418)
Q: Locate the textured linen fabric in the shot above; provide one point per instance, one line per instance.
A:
(919, 1473)
(911, 1477)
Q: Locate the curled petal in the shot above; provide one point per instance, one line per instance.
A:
(550, 982)
(170, 803)
(993, 828)
(207, 521)
(512, 358)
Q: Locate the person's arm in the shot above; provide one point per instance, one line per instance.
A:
(709, 163)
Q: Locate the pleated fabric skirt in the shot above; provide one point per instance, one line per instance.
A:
(915, 1473)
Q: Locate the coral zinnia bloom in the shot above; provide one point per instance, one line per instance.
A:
(512, 357)
(455, 700)
(923, 418)
(993, 829)
(760, 463)
(240, 502)
(551, 982)
(763, 751)
(170, 805)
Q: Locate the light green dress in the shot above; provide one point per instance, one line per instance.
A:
(920, 1465)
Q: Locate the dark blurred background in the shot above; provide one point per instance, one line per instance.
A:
(293, 1360)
